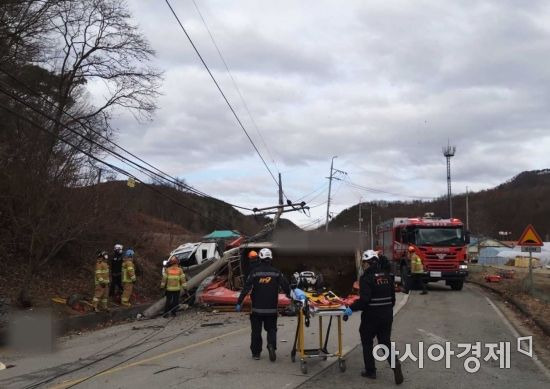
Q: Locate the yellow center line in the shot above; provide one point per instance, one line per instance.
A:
(153, 358)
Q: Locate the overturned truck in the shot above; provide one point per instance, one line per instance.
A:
(335, 256)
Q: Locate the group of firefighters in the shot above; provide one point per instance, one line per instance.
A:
(376, 301)
(120, 274)
(263, 282)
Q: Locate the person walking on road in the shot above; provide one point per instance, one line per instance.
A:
(101, 281)
(116, 271)
(417, 271)
(263, 284)
(376, 301)
(173, 280)
(253, 261)
(128, 277)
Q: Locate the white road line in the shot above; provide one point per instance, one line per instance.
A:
(401, 304)
(516, 334)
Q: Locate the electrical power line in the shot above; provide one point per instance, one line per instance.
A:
(113, 167)
(235, 84)
(221, 92)
(375, 190)
(152, 174)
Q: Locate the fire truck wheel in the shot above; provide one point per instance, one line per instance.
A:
(456, 285)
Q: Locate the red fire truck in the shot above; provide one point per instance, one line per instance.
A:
(440, 243)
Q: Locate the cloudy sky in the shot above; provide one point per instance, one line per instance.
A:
(383, 85)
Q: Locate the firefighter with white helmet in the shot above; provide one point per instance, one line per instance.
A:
(376, 301)
(116, 270)
(263, 284)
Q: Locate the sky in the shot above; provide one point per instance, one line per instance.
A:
(382, 85)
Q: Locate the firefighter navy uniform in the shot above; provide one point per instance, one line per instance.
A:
(264, 283)
(376, 301)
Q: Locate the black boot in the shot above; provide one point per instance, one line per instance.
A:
(398, 373)
(368, 374)
(272, 355)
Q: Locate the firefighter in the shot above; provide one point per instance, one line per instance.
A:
(417, 270)
(116, 270)
(253, 261)
(263, 284)
(101, 281)
(173, 280)
(376, 301)
(128, 277)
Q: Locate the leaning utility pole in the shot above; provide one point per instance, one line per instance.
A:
(449, 152)
(280, 210)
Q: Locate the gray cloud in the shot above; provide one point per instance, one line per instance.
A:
(383, 85)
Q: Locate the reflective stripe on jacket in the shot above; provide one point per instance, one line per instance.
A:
(128, 273)
(416, 264)
(101, 273)
(173, 279)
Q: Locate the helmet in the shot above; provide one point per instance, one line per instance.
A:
(370, 255)
(411, 249)
(173, 260)
(118, 247)
(129, 253)
(253, 255)
(265, 254)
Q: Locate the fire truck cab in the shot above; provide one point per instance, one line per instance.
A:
(440, 243)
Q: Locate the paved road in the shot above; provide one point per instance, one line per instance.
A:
(185, 353)
(195, 350)
(457, 317)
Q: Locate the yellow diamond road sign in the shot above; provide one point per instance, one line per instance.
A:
(530, 237)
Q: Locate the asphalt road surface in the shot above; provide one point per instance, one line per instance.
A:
(200, 350)
(441, 316)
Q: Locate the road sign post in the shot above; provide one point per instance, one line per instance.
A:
(530, 242)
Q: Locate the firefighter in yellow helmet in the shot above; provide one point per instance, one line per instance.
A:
(128, 277)
(173, 280)
(101, 292)
(417, 270)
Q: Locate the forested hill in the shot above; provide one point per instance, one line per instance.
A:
(523, 200)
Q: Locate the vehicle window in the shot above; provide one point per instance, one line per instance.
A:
(439, 236)
(188, 260)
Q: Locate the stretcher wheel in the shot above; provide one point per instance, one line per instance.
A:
(342, 365)
(303, 367)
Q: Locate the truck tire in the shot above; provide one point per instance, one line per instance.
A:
(456, 285)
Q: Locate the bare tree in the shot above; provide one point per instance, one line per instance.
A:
(91, 44)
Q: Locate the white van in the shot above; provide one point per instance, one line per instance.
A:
(194, 257)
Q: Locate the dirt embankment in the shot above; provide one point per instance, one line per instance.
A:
(536, 308)
(74, 275)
